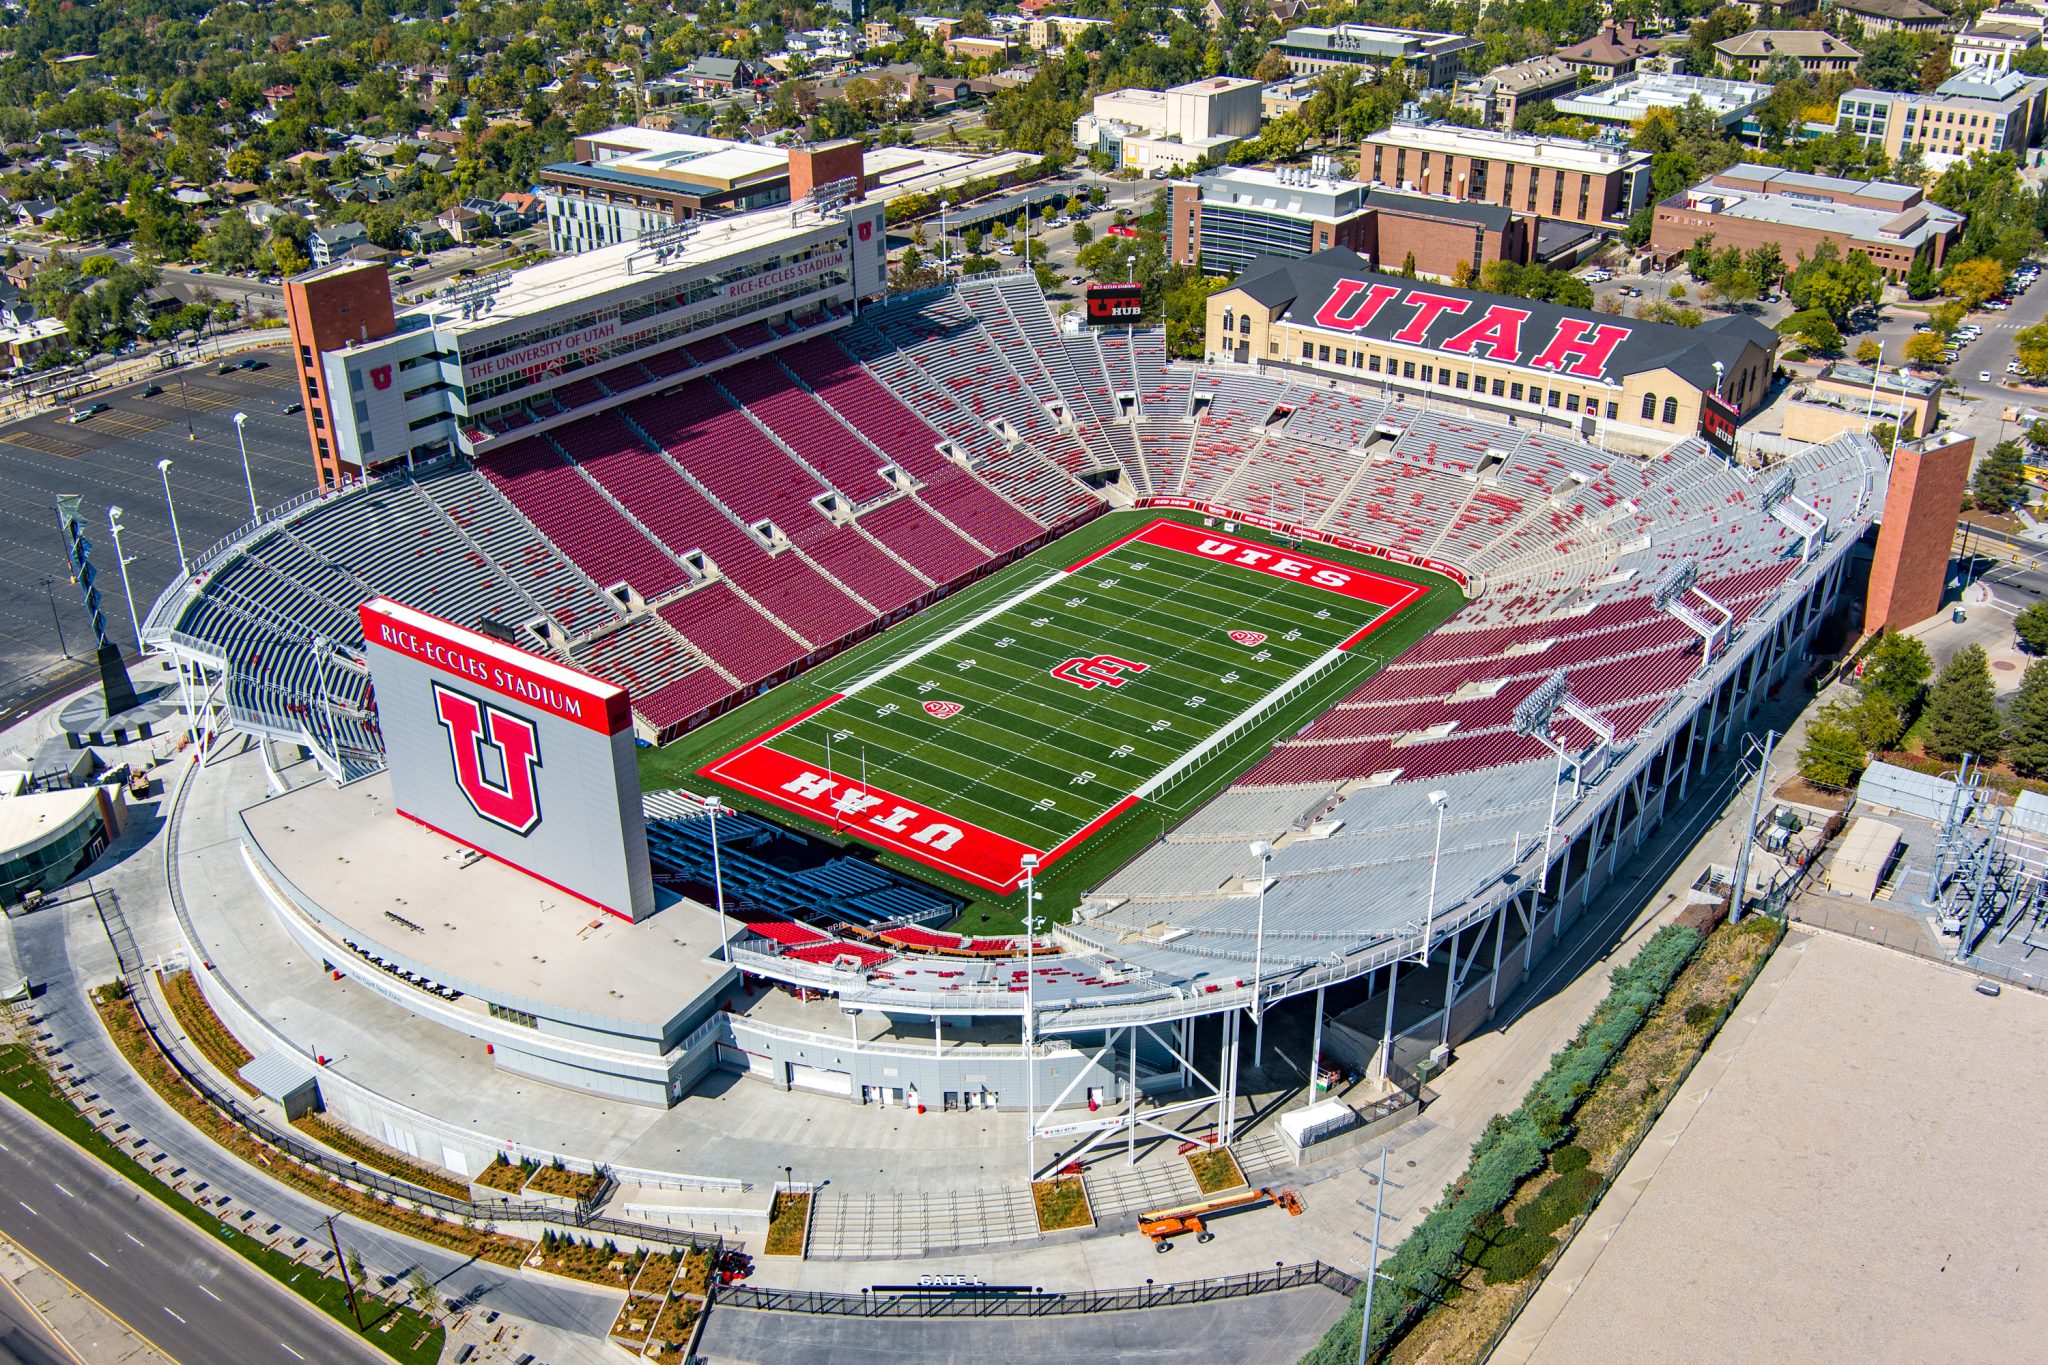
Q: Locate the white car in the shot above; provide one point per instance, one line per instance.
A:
(1983, 376)
(1598, 277)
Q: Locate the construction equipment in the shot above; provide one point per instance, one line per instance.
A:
(1163, 1225)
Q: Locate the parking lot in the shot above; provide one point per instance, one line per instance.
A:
(111, 458)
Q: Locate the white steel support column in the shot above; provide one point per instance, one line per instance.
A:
(1500, 933)
(1387, 1038)
(1131, 1098)
(1450, 987)
(1315, 1051)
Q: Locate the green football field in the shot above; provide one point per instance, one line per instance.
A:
(1036, 720)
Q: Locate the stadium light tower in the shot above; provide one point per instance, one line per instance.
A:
(1263, 851)
(242, 420)
(114, 525)
(163, 467)
(1029, 863)
(713, 805)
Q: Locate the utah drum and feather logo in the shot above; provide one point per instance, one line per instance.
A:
(472, 725)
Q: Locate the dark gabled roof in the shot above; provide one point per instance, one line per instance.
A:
(1298, 287)
(1493, 217)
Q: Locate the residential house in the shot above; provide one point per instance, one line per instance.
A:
(436, 163)
(710, 74)
(528, 207)
(330, 244)
(34, 212)
(428, 237)
(461, 222)
(22, 272)
(278, 94)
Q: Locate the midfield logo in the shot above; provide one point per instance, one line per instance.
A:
(1248, 638)
(1088, 673)
(944, 710)
(471, 725)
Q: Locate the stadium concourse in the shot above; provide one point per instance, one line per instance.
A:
(776, 494)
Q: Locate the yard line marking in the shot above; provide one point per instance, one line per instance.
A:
(167, 1310)
(208, 1292)
(96, 1256)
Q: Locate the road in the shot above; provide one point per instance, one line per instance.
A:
(191, 1298)
(44, 957)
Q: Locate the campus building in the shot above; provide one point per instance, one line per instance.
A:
(1753, 206)
(1147, 130)
(1993, 46)
(1817, 53)
(627, 182)
(1976, 111)
(1623, 102)
(1847, 397)
(1500, 94)
(1436, 59)
(1895, 16)
(1227, 219)
(1595, 374)
(1593, 183)
(521, 351)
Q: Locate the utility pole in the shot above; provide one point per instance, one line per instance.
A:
(1756, 807)
(1372, 1268)
(341, 1263)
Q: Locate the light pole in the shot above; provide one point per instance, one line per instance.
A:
(1263, 851)
(1372, 1269)
(1029, 863)
(1442, 801)
(163, 467)
(114, 525)
(242, 420)
(713, 805)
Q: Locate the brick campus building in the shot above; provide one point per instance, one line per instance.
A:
(1753, 206)
(1595, 374)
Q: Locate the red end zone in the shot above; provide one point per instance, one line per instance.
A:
(1391, 594)
(917, 831)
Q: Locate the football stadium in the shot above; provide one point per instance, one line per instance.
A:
(1059, 709)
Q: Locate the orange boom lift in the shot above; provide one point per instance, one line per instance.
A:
(1163, 1225)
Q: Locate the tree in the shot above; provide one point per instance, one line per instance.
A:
(1920, 279)
(1897, 669)
(1868, 351)
(1962, 709)
(2000, 483)
(1083, 235)
(1832, 755)
(1699, 257)
(1821, 334)
(1971, 282)
(2031, 626)
(1924, 349)
(2028, 734)
(2030, 348)
(1877, 722)
(422, 1286)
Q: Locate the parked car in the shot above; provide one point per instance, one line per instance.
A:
(89, 411)
(289, 408)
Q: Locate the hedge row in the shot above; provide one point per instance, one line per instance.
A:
(1513, 1147)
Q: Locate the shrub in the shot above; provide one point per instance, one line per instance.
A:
(1558, 1202)
(1517, 1257)
(1568, 1159)
(1699, 1014)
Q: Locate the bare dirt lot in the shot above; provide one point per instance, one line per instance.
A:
(1861, 1182)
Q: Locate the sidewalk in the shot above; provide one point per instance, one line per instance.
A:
(1526, 1336)
(72, 1325)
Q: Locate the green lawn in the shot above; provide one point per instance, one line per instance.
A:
(1034, 759)
(401, 1333)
